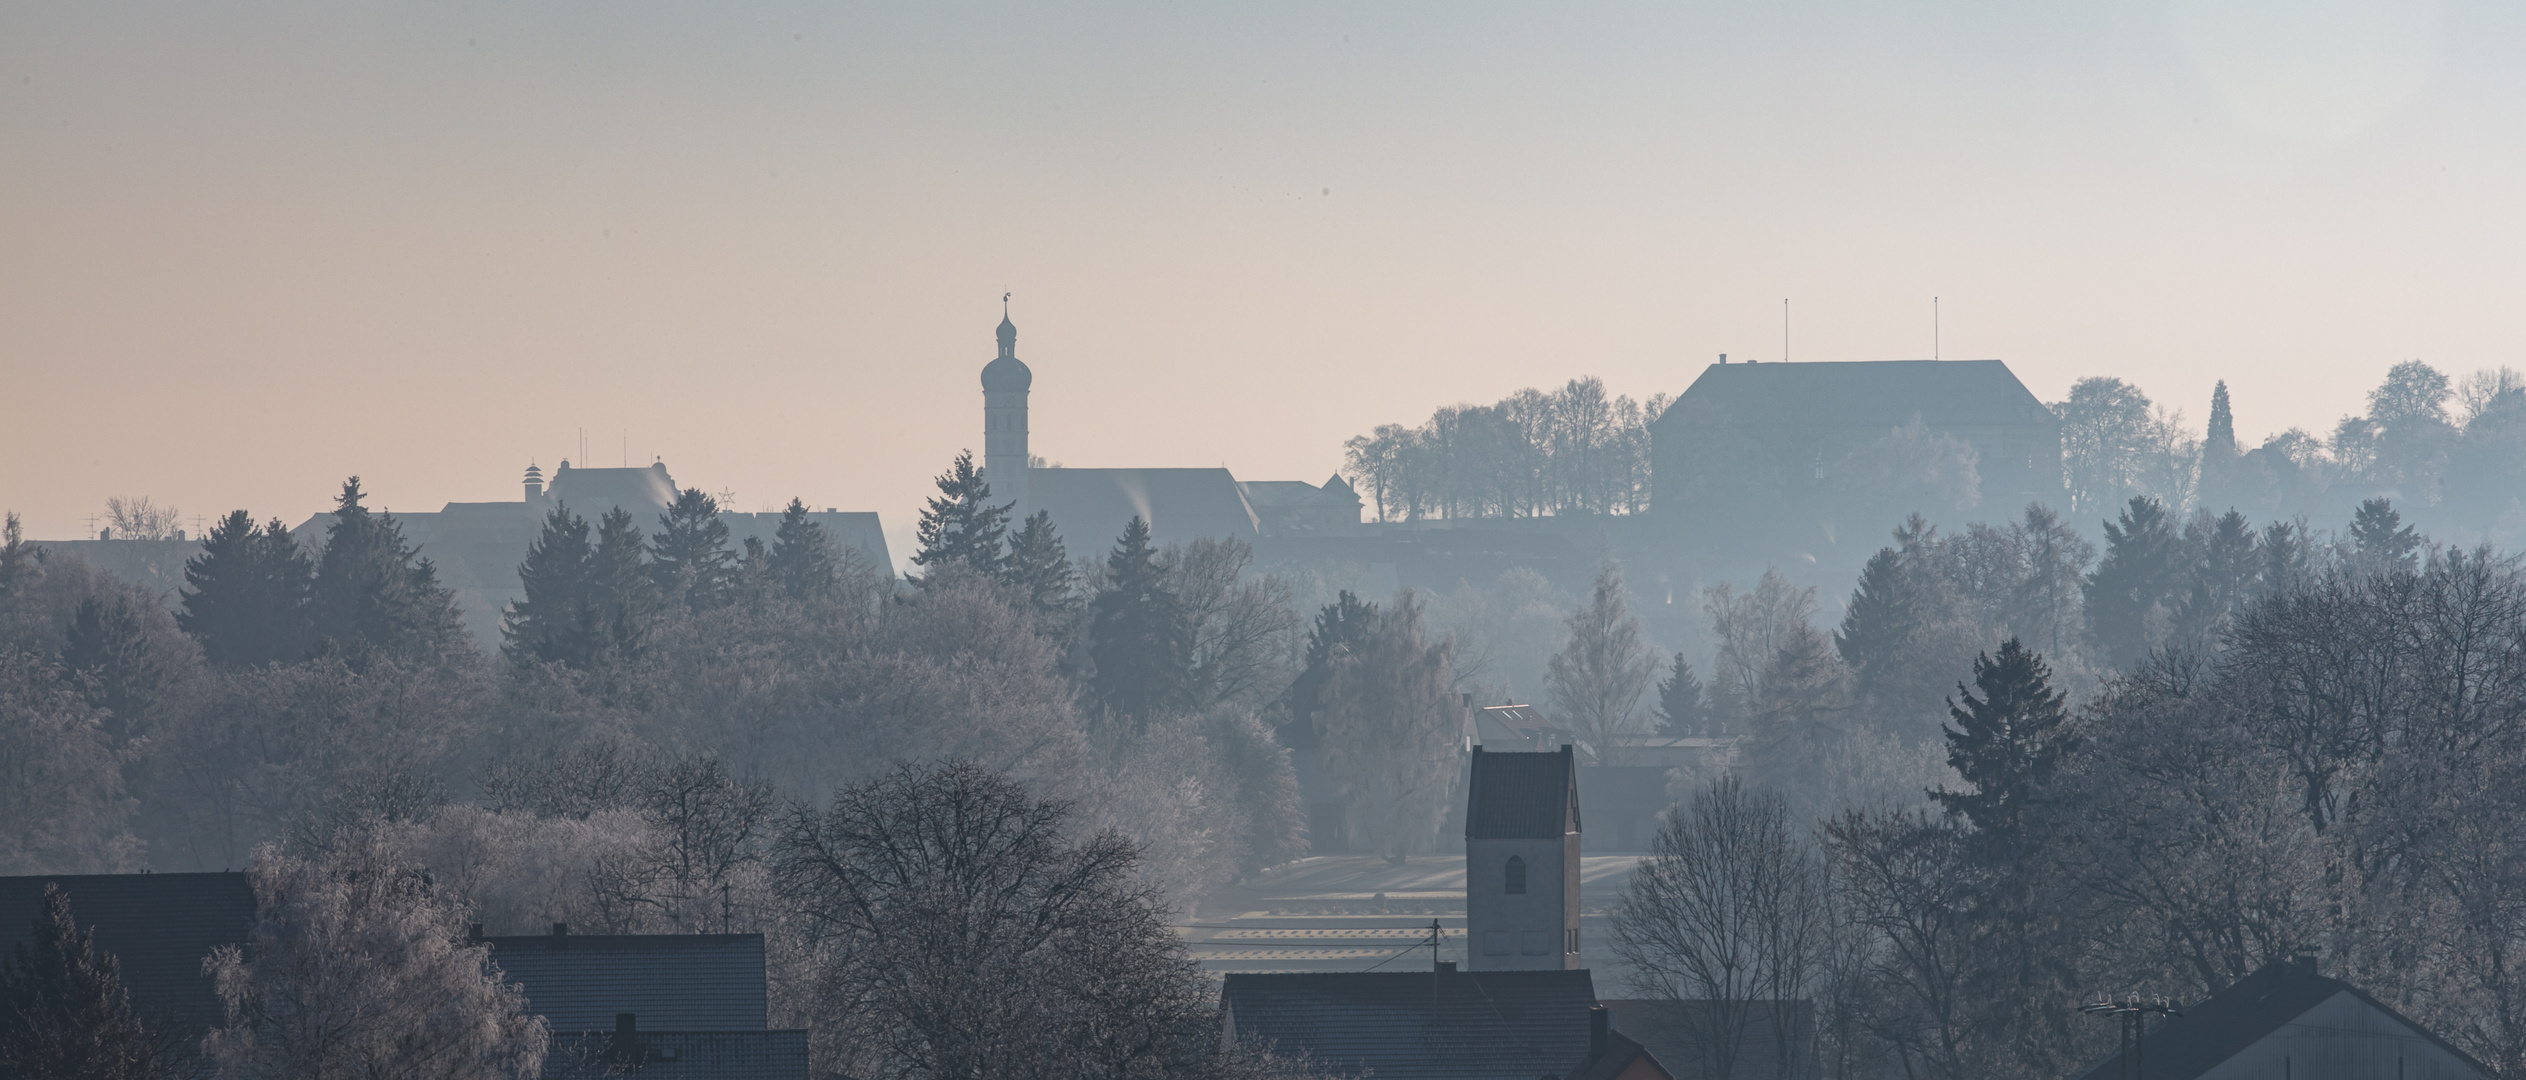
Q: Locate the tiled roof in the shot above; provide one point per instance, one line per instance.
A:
(690, 982)
(1664, 1027)
(159, 927)
(1522, 796)
(2233, 1019)
(1418, 1025)
(1867, 394)
(680, 1055)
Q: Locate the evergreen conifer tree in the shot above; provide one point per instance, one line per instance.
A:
(1681, 709)
(556, 621)
(2221, 441)
(690, 558)
(1341, 627)
(18, 559)
(1039, 567)
(625, 594)
(1137, 635)
(800, 563)
(960, 527)
(1878, 626)
(2222, 582)
(2284, 557)
(108, 659)
(2005, 744)
(374, 595)
(2383, 543)
(63, 1010)
(2138, 574)
(246, 594)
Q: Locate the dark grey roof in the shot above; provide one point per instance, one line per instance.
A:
(1091, 506)
(1620, 1052)
(1522, 796)
(1866, 394)
(160, 927)
(680, 1055)
(688, 982)
(1663, 1027)
(591, 492)
(1418, 1025)
(2233, 1019)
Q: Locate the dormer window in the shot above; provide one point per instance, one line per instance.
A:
(1516, 875)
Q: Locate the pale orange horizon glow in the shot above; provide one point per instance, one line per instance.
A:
(249, 249)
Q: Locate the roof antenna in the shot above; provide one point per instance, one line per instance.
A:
(1933, 328)
(1784, 329)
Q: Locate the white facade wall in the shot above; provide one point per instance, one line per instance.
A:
(1536, 931)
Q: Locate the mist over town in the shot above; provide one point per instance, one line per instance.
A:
(1415, 543)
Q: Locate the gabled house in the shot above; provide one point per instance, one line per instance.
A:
(671, 1006)
(2286, 1022)
(1442, 1024)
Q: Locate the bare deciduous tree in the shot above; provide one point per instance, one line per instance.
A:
(1391, 728)
(1726, 919)
(1597, 679)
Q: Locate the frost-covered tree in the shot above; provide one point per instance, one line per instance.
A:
(1390, 728)
(1597, 679)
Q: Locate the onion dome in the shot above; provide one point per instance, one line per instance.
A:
(1008, 372)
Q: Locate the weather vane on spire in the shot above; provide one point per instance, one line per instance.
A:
(1004, 303)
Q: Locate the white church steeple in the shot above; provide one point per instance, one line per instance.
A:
(1005, 384)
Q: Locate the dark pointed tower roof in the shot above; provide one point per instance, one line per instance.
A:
(1008, 372)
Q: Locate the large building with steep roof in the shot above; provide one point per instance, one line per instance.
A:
(1091, 506)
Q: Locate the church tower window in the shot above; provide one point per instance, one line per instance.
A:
(1516, 875)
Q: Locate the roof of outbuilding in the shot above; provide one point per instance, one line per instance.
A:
(1443, 1025)
(1866, 394)
(1620, 1052)
(690, 982)
(1666, 1029)
(1522, 796)
(159, 927)
(681, 1055)
(2223, 1025)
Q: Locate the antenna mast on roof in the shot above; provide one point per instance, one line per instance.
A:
(1933, 328)
(1784, 329)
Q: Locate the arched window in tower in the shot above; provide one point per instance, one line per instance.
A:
(1516, 875)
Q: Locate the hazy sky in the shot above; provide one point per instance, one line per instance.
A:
(246, 250)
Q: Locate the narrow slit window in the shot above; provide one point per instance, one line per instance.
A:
(1516, 875)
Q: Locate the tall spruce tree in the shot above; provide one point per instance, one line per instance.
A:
(626, 594)
(1877, 628)
(2137, 576)
(108, 659)
(961, 528)
(556, 621)
(2222, 580)
(374, 595)
(1342, 627)
(2284, 557)
(63, 1010)
(1681, 709)
(800, 562)
(2221, 440)
(1039, 567)
(1138, 636)
(2381, 541)
(690, 557)
(2005, 744)
(246, 595)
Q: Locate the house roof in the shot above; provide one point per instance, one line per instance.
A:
(1864, 394)
(1522, 796)
(160, 927)
(1418, 1025)
(689, 982)
(591, 492)
(1261, 493)
(1666, 1028)
(1091, 506)
(2233, 1019)
(681, 1055)
(1620, 1052)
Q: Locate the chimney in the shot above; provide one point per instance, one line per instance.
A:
(1600, 1024)
(623, 1050)
(1723, 358)
(473, 932)
(561, 929)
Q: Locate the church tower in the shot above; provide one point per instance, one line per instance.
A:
(1005, 382)
(1522, 862)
